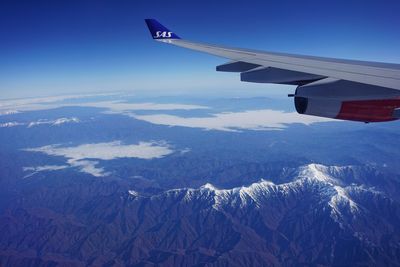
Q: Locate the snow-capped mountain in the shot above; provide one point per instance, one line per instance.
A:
(317, 216)
(324, 183)
(285, 220)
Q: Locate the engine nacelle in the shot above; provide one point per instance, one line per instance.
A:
(348, 101)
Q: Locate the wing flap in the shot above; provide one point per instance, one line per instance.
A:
(236, 66)
(279, 76)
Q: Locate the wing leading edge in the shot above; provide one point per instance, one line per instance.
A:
(316, 77)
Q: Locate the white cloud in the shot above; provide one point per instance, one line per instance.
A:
(88, 166)
(37, 169)
(264, 119)
(121, 107)
(84, 156)
(45, 168)
(11, 106)
(108, 151)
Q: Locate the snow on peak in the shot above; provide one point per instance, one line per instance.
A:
(323, 181)
(10, 124)
(209, 187)
(65, 120)
(339, 198)
(8, 112)
(342, 198)
(55, 122)
(133, 193)
(316, 172)
(243, 195)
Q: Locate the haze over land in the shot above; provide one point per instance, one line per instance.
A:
(167, 181)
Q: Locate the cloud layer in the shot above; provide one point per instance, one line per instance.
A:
(86, 156)
(37, 169)
(264, 119)
(12, 106)
(121, 107)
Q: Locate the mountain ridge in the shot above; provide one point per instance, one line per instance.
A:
(293, 223)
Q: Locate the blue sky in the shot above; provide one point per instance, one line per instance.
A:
(63, 47)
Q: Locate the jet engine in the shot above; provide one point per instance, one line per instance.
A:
(346, 100)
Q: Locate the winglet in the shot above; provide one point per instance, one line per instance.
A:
(158, 31)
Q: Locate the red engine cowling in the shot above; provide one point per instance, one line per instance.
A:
(348, 101)
(356, 110)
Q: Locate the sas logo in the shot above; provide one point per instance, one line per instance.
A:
(160, 34)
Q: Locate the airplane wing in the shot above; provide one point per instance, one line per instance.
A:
(327, 87)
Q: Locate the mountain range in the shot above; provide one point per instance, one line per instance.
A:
(320, 216)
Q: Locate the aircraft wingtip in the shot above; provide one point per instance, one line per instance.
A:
(159, 31)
